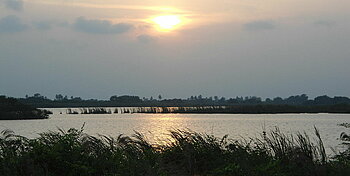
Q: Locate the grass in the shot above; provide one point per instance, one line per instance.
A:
(187, 153)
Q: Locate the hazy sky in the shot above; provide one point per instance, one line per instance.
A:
(95, 48)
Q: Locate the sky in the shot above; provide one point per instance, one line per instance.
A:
(95, 49)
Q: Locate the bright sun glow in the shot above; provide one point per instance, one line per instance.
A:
(167, 22)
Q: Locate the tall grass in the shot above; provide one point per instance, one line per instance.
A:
(153, 110)
(95, 111)
(71, 111)
(187, 153)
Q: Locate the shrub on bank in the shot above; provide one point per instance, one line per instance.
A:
(11, 109)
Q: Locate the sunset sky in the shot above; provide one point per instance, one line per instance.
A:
(99, 48)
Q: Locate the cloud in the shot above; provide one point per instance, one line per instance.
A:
(63, 24)
(14, 4)
(43, 25)
(146, 38)
(11, 24)
(325, 23)
(259, 25)
(100, 26)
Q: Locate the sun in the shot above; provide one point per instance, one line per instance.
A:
(167, 22)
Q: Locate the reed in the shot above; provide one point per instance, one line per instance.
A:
(186, 153)
(95, 111)
(70, 111)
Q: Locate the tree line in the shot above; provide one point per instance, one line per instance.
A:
(40, 101)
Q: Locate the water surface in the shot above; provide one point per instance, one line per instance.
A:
(156, 126)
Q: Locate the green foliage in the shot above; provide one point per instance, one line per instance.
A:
(187, 153)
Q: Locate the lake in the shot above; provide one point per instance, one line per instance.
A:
(156, 126)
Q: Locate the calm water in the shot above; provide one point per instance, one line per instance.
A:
(156, 126)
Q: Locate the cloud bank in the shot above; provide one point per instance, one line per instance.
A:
(14, 4)
(146, 38)
(100, 26)
(11, 24)
(325, 23)
(43, 25)
(259, 25)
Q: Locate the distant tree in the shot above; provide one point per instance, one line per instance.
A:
(278, 100)
(160, 97)
(125, 99)
(341, 100)
(252, 100)
(37, 95)
(75, 99)
(222, 99)
(113, 98)
(59, 97)
(216, 98)
(296, 100)
(268, 100)
(200, 97)
(232, 101)
(323, 100)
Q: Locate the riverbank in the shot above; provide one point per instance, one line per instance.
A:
(186, 153)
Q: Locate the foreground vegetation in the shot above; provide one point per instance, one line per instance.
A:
(187, 153)
(11, 109)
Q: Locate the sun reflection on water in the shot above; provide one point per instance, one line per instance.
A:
(162, 125)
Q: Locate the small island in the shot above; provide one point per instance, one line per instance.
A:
(11, 109)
